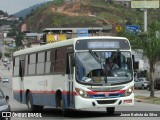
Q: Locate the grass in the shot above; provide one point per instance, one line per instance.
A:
(154, 100)
(44, 17)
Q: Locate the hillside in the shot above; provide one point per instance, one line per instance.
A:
(78, 14)
(26, 11)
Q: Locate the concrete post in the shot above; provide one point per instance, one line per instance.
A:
(145, 20)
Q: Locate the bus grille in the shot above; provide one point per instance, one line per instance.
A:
(106, 101)
(109, 96)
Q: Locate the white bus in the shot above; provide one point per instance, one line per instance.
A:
(71, 74)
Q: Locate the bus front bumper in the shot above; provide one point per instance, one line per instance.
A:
(82, 103)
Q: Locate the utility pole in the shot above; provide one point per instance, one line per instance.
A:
(145, 20)
(124, 7)
(144, 5)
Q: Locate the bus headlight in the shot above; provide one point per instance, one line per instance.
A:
(82, 93)
(128, 92)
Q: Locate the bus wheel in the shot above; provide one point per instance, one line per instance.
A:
(38, 107)
(62, 107)
(64, 111)
(110, 110)
(60, 103)
(30, 105)
(29, 102)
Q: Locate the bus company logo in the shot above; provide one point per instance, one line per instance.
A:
(6, 114)
(15, 114)
(106, 95)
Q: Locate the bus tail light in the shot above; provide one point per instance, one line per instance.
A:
(82, 93)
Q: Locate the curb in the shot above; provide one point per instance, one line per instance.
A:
(146, 101)
(141, 100)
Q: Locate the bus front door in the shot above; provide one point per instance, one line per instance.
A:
(70, 81)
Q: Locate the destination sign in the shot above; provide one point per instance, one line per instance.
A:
(93, 45)
(102, 44)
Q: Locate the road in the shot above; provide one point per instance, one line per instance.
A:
(89, 114)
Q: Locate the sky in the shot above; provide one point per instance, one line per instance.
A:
(13, 6)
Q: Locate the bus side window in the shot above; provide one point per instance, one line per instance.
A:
(16, 66)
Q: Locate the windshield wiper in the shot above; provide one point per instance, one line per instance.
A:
(94, 56)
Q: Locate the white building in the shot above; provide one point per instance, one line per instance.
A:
(143, 64)
(140, 59)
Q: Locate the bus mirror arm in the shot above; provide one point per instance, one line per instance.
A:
(133, 59)
(73, 61)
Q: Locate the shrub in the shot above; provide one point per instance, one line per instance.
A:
(0, 54)
(7, 55)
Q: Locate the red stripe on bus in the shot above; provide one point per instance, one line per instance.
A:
(20, 91)
(104, 92)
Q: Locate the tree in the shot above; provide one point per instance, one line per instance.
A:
(21, 19)
(1, 54)
(19, 39)
(151, 48)
(7, 55)
(58, 2)
(12, 33)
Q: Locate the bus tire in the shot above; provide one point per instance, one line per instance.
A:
(110, 110)
(62, 107)
(38, 107)
(30, 105)
(60, 104)
(29, 102)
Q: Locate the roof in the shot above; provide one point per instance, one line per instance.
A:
(34, 34)
(74, 30)
(60, 44)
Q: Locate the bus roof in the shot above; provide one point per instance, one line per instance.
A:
(61, 44)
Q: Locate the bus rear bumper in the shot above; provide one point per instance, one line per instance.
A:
(82, 103)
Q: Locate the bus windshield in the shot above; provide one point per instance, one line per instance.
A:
(104, 67)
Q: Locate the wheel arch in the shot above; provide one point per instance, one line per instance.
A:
(27, 92)
(58, 97)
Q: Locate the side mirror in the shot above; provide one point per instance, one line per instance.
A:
(7, 97)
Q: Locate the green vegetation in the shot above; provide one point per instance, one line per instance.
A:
(18, 39)
(12, 32)
(0, 54)
(11, 23)
(155, 100)
(57, 15)
(8, 55)
(150, 45)
(58, 2)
